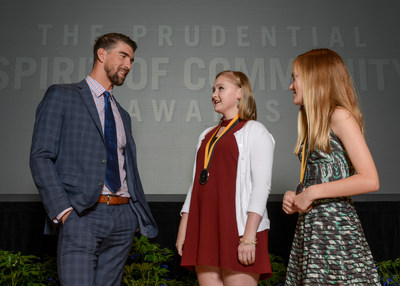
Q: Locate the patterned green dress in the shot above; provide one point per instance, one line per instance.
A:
(329, 246)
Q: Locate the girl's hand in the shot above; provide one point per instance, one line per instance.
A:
(179, 244)
(303, 201)
(180, 239)
(247, 254)
(248, 242)
(287, 204)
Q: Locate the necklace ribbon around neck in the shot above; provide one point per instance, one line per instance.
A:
(300, 187)
(204, 174)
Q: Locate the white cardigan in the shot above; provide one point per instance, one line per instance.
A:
(254, 171)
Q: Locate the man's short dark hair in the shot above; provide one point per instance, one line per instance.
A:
(108, 41)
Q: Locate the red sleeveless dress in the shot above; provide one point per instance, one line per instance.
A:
(212, 237)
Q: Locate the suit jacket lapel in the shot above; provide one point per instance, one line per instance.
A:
(87, 98)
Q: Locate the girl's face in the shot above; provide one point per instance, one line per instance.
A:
(225, 97)
(297, 87)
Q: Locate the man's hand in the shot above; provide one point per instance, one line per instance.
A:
(64, 217)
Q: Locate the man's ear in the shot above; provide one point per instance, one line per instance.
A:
(101, 55)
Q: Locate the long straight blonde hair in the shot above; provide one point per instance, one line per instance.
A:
(327, 84)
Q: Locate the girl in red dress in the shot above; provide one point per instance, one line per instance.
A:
(223, 232)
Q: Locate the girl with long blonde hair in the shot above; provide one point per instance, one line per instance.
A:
(329, 246)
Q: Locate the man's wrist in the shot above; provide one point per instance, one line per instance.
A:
(58, 218)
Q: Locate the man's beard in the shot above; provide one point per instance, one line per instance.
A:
(113, 77)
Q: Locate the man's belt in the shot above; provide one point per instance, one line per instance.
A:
(112, 200)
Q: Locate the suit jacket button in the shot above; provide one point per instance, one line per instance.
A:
(100, 184)
(103, 161)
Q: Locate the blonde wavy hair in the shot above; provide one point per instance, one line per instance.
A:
(247, 104)
(327, 84)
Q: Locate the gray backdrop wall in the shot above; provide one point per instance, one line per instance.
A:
(182, 45)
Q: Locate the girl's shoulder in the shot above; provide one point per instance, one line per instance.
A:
(253, 124)
(257, 130)
(342, 121)
(340, 113)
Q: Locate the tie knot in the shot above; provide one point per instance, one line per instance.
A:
(107, 95)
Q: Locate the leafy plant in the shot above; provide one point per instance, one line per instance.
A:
(49, 273)
(278, 272)
(389, 272)
(147, 266)
(18, 269)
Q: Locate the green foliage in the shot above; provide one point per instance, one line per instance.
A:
(18, 269)
(389, 272)
(147, 266)
(278, 272)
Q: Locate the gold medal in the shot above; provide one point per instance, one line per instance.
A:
(300, 188)
(203, 176)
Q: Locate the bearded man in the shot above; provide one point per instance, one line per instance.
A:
(83, 162)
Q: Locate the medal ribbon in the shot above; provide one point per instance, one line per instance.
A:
(303, 161)
(210, 149)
